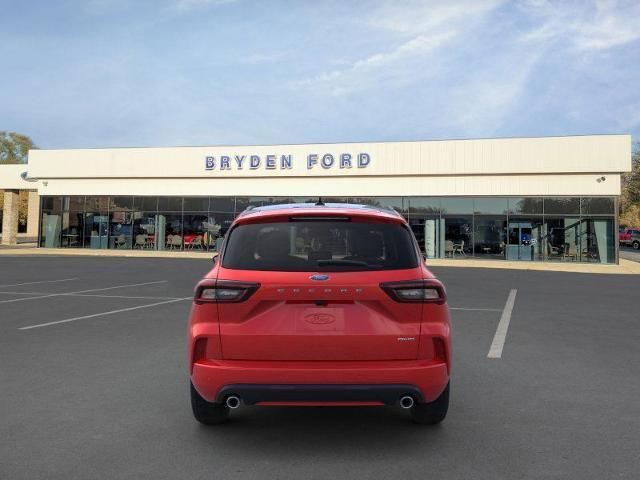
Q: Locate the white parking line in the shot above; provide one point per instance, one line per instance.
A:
(120, 296)
(80, 291)
(471, 309)
(90, 295)
(501, 332)
(41, 281)
(22, 293)
(103, 313)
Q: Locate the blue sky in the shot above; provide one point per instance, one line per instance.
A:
(102, 73)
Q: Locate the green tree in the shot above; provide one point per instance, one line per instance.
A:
(630, 198)
(14, 147)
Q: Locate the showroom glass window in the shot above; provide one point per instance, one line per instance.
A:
(525, 229)
(490, 228)
(457, 214)
(169, 224)
(194, 223)
(51, 222)
(145, 211)
(120, 222)
(426, 224)
(96, 222)
(72, 222)
(222, 211)
(516, 228)
(597, 239)
(562, 229)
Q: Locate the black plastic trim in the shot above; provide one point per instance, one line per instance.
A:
(250, 393)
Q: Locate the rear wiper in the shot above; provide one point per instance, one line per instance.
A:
(350, 263)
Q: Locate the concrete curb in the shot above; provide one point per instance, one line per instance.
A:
(626, 267)
(82, 252)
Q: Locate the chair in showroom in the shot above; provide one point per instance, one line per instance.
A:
(175, 242)
(458, 248)
(590, 254)
(196, 242)
(121, 241)
(141, 241)
(553, 251)
(448, 248)
(568, 253)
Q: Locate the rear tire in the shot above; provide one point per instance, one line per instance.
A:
(206, 412)
(636, 245)
(434, 412)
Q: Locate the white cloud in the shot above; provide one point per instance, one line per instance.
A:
(195, 4)
(605, 25)
(416, 46)
(423, 28)
(479, 105)
(362, 73)
(416, 17)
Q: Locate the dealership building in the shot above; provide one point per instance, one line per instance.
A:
(531, 199)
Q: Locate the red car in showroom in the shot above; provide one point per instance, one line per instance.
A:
(323, 305)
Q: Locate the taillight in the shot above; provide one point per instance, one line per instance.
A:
(416, 291)
(224, 291)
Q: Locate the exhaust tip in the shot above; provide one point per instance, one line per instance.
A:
(233, 402)
(406, 402)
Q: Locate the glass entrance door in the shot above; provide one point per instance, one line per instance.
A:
(524, 239)
(96, 230)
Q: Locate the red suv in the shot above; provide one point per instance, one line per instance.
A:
(326, 304)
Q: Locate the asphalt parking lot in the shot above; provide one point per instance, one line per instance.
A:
(94, 384)
(630, 253)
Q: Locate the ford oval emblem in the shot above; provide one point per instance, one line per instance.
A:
(319, 277)
(320, 318)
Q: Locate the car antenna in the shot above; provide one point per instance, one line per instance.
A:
(320, 203)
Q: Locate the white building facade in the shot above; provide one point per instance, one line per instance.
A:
(532, 199)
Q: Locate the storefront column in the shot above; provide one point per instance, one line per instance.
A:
(10, 217)
(33, 214)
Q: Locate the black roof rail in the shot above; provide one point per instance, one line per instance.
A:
(246, 210)
(393, 209)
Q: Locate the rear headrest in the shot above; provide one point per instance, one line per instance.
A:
(367, 244)
(274, 244)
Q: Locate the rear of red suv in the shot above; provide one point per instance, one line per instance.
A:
(319, 305)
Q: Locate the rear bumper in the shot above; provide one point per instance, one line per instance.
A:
(301, 393)
(370, 381)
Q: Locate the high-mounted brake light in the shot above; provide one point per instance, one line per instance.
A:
(317, 218)
(416, 291)
(224, 291)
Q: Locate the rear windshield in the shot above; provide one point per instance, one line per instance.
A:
(330, 245)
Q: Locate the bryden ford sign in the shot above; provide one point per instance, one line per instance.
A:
(286, 162)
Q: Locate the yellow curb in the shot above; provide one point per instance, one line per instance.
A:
(626, 267)
(630, 266)
(82, 252)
